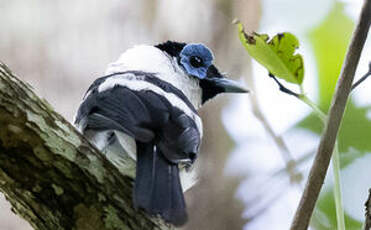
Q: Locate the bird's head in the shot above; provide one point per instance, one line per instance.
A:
(188, 67)
(197, 62)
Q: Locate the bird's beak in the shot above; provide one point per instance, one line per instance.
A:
(228, 85)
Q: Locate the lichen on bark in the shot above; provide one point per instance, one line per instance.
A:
(51, 175)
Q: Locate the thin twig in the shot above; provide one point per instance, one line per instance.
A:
(282, 87)
(363, 78)
(367, 225)
(321, 162)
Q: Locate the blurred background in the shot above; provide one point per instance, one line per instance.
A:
(257, 148)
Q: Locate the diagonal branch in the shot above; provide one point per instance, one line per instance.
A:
(321, 162)
(51, 175)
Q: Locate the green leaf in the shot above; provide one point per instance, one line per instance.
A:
(277, 54)
(329, 41)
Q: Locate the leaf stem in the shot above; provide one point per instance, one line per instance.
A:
(335, 163)
(282, 87)
(337, 189)
(301, 89)
(315, 108)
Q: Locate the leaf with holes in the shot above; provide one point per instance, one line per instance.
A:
(277, 55)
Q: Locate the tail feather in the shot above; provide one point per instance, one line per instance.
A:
(157, 186)
(144, 176)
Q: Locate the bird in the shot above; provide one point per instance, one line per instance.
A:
(144, 109)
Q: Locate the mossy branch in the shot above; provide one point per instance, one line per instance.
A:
(51, 175)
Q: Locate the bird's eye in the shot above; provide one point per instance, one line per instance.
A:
(196, 61)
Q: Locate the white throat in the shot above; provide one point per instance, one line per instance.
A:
(151, 59)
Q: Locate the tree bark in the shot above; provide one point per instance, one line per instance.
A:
(50, 173)
(367, 224)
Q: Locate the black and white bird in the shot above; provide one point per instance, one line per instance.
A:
(145, 109)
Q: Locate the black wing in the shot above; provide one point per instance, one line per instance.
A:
(165, 136)
(144, 115)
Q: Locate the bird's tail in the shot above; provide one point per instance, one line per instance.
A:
(157, 186)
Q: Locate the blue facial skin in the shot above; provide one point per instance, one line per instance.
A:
(196, 59)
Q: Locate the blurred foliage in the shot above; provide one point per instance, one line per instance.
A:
(326, 206)
(329, 41)
(353, 137)
(277, 54)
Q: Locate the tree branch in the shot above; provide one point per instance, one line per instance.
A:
(51, 175)
(321, 162)
(367, 224)
(364, 77)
